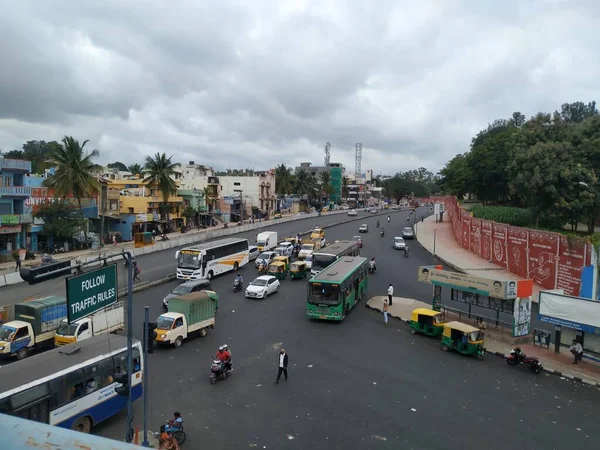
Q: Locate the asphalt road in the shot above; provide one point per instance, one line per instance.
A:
(353, 385)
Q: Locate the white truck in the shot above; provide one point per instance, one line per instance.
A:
(107, 320)
(266, 241)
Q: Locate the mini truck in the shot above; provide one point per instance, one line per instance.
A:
(189, 314)
(267, 240)
(107, 320)
(34, 327)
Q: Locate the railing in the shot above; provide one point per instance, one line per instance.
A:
(24, 191)
(15, 164)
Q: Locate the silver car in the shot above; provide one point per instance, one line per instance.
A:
(408, 233)
(399, 243)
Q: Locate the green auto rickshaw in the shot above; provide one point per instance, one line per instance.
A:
(298, 269)
(427, 321)
(278, 269)
(463, 338)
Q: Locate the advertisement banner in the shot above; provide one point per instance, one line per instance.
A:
(500, 289)
(517, 250)
(486, 239)
(466, 232)
(570, 262)
(476, 236)
(543, 248)
(522, 317)
(499, 235)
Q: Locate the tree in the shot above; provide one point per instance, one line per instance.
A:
(135, 169)
(345, 184)
(207, 192)
(73, 173)
(283, 180)
(325, 185)
(13, 154)
(117, 165)
(60, 219)
(160, 171)
(456, 176)
(397, 187)
(305, 185)
(577, 112)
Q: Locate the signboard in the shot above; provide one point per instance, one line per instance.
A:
(484, 286)
(9, 219)
(10, 230)
(91, 291)
(577, 313)
(436, 209)
(143, 217)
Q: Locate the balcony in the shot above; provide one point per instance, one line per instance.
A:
(15, 191)
(213, 180)
(15, 164)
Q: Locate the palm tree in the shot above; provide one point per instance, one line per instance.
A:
(74, 173)
(160, 172)
(283, 180)
(207, 192)
(135, 169)
(306, 185)
(325, 186)
(345, 183)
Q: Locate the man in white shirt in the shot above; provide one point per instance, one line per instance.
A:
(390, 294)
(577, 350)
(283, 364)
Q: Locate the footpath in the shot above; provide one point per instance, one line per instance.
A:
(438, 239)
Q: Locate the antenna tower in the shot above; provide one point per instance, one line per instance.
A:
(357, 162)
(327, 152)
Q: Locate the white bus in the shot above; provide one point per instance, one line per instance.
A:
(328, 255)
(211, 259)
(71, 386)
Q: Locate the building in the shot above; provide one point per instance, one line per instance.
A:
(336, 171)
(14, 219)
(255, 192)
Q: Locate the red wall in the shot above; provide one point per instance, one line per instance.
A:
(549, 259)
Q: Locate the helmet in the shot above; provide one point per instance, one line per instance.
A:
(221, 348)
(225, 347)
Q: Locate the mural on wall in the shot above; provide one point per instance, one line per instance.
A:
(486, 237)
(499, 235)
(476, 236)
(542, 258)
(517, 250)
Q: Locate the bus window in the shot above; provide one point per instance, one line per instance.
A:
(324, 293)
(101, 373)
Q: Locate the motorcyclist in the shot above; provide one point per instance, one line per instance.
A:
(175, 423)
(372, 264)
(389, 218)
(406, 250)
(238, 280)
(382, 231)
(228, 353)
(222, 355)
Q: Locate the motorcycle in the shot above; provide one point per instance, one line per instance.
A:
(406, 252)
(237, 285)
(176, 432)
(389, 219)
(382, 233)
(219, 371)
(517, 357)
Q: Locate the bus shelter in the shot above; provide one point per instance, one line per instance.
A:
(508, 301)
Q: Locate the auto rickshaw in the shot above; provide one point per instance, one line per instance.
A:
(278, 269)
(291, 240)
(317, 234)
(298, 270)
(427, 321)
(283, 259)
(463, 338)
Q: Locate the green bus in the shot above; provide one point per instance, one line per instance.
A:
(334, 291)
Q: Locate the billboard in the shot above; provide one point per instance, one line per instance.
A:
(572, 312)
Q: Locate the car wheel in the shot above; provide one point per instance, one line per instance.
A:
(178, 342)
(278, 286)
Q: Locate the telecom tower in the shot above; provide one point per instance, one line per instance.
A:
(327, 152)
(357, 161)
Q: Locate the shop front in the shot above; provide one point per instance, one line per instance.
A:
(10, 240)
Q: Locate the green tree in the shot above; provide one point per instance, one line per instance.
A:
(13, 154)
(456, 176)
(60, 219)
(135, 169)
(74, 173)
(345, 190)
(325, 186)
(578, 111)
(160, 171)
(117, 165)
(305, 185)
(283, 180)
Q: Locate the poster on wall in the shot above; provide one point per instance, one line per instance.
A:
(522, 317)
(476, 236)
(486, 240)
(466, 232)
(516, 250)
(570, 263)
(543, 248)
(499, 234)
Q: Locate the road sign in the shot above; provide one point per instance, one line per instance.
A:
(91, 291)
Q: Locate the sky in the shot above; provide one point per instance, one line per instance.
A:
(252, 84)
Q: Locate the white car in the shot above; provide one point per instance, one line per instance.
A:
(262, 287)
(308, 261)
(364, 228)
(285, 249)
(265, 258)
(399, 243)
(352, 213)
(305, 250)
(253, 252)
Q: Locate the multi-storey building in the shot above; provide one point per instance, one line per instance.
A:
(336, 171)
(14, 219)
(253, 192)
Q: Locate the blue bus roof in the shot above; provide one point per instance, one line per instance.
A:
(339, 270)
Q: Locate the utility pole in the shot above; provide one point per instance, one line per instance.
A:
(145, 442)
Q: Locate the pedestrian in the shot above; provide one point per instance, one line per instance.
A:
(385, 310)
(283, 365)
(577, 350)
(114, 240)
(136, 272)
(390, 294)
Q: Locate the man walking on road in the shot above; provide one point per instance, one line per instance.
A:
(390, 294)
(283, 364)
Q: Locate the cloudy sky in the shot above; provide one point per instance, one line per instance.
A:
(256, 83)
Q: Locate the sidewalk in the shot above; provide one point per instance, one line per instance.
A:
(556, 364)
(438, 239)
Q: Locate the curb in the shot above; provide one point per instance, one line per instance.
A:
(503, 356)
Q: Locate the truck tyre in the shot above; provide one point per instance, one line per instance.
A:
(22, 354)
(203, 332)
(83, 425)
(178, 342)
(236, 266)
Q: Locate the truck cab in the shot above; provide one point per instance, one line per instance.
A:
(77, 331)
(171, 328)
(16, 338)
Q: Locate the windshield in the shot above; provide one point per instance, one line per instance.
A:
(408, 230)
(261, 243)
(399, 240)
(259, 282)
(265, 256)
(182, 289)
(439, 318)
(67, 330)
(307, 247)
(188, 259)
(323, 294)
(321, 261)
(6, 333)
(164, 323)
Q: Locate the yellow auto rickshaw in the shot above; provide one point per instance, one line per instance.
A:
(278, 270)
(427, 321)
(298, 270)
(463, 338)
(283, 259)
(317, 234)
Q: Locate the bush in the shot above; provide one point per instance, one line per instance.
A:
(517, 217)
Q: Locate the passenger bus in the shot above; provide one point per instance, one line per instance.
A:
(335, 291)
(326, 256)
(71, 386)
(211, 259)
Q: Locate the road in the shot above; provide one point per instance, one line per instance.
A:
(357, 384)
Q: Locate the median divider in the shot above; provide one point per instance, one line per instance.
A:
(2, 281)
